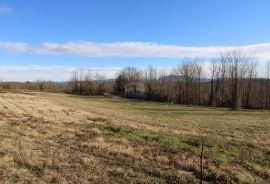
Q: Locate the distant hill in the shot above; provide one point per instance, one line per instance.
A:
(179, 77)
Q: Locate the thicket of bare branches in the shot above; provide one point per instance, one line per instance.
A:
(87, 83)
(228, 81)
(81, 83)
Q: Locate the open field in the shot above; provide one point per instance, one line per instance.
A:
(57, 138)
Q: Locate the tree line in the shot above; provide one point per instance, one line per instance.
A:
(89, 83)
(231, 80)
(81, 83)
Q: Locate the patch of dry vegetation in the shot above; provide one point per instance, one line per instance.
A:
(54, 138)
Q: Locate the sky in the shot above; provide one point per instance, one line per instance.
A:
(48, 39)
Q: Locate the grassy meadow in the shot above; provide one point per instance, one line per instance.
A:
(57, 138)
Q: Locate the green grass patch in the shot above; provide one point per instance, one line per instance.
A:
(152, 137)
(85, 126)
(224, 158)
(222, 154)
(250, 164)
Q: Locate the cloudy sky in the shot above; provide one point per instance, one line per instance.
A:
(49, 39)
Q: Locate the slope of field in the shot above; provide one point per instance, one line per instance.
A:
(56, 138)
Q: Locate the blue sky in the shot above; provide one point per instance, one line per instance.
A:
(104, 34)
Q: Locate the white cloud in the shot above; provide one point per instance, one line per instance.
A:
(5, 9)
(50, 73)
(117, 49)
(132, 49)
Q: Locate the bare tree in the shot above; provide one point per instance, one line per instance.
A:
(41, 84)
(251, 75)
(267, 86)
(188, 72)
(75, 82)
(88, 83)
(164, 85)
(150, 78)
(236, 73)
(214, 74)
(120, 82)
(199, 68)
(223, 76)
(100, 79)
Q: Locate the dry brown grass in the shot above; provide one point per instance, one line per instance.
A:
(54, 138)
